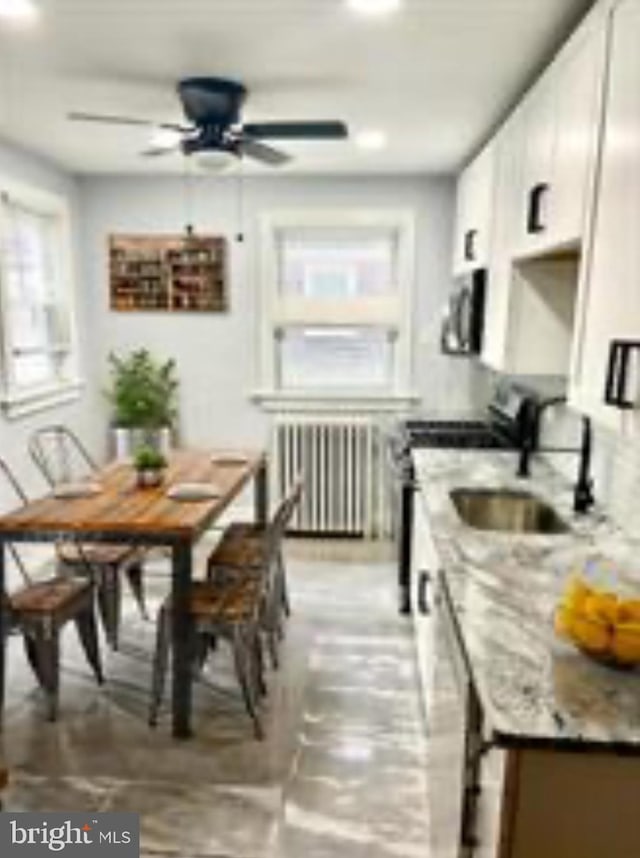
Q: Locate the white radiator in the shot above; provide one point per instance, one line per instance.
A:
(343, 468)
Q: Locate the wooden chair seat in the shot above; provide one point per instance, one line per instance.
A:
(41, 609)
(112, 555)
(48, 597)
(228, 611)
(233, 603)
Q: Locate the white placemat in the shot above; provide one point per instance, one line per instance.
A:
(229, 459)
(193, 491)
(76, 490)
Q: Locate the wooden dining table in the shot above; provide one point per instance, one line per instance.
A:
(121, 512)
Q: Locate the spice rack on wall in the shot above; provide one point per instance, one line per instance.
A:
(170, 273)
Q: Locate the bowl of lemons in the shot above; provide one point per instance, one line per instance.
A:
(601, 623)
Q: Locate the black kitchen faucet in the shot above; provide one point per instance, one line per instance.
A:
(583, 497)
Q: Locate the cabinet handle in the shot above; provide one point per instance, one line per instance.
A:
(470, 245)
(617, 373)
(535, 223)
(423, 587)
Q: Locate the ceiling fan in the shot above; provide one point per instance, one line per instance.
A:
(212, 107)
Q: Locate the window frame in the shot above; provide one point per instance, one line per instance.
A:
(393, 312)
(16, 399)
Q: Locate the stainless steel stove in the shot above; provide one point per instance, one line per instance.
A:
(455, 434)
(507, 424)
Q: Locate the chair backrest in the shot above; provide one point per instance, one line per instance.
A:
(12, 481)
(60, 455)
(278, 525)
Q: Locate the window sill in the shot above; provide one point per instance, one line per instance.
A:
(274, 400)
(23, 404)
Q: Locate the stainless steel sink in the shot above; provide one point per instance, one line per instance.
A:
(501, 509)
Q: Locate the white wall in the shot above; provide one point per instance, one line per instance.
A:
(83, 415)
(217, 354)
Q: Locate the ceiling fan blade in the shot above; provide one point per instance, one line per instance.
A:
(260, 152)
(108, 119)
(156, 151)
(306, 130)
(111, 120)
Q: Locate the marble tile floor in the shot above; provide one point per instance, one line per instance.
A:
(342, 771)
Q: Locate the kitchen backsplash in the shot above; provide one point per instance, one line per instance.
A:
(616, 464)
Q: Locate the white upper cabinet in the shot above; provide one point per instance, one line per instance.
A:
(544, 191)
(609, 305)
(508, 169)
(474, 208)
(561, 132)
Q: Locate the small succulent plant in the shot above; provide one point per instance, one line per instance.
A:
(149, 459)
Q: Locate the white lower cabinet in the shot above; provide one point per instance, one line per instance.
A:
(531, 800)
(423, 571)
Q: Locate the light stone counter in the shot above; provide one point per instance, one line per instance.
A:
(535, 689)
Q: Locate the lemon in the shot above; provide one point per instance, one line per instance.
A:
(563, 621)
(625, 644)
(594, 636)
(601, 607)
(578, 591)
(629, 611)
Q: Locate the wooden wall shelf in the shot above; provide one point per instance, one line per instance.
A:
(170, 273)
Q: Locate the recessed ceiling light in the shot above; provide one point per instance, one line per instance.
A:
(18, 10)
(374, 7)
(371, 139)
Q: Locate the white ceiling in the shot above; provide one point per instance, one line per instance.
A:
(435, 77)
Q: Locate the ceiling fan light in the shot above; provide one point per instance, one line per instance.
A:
(374, 8)
(163, 138)
(214, 161)
(18, 10)
(371, 139)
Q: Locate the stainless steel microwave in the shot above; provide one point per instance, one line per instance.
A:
(463, 320)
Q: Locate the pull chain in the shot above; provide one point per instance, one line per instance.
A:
(240, 203)
(188, 198)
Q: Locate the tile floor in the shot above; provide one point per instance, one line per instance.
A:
(341, 773)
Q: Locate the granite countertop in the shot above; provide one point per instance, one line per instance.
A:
(535, 689)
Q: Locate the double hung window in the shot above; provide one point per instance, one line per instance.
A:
(38, 343)
(337, 290)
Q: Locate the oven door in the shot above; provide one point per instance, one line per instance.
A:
(402, 485)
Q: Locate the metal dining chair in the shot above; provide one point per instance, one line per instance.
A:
(4, 780)
(243, 550)
(238, 603)
(62, 458)
(40, 609)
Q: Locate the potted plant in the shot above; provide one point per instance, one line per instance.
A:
(149, 464)
(143, 394)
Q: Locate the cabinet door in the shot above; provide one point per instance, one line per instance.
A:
(537, 168)
(474, 213)
(562, 123)
(609, 306)
(445, 747)
(423, 571)
(578, 103)
(507, 214)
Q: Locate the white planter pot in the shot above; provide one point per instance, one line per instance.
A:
(126, 441)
